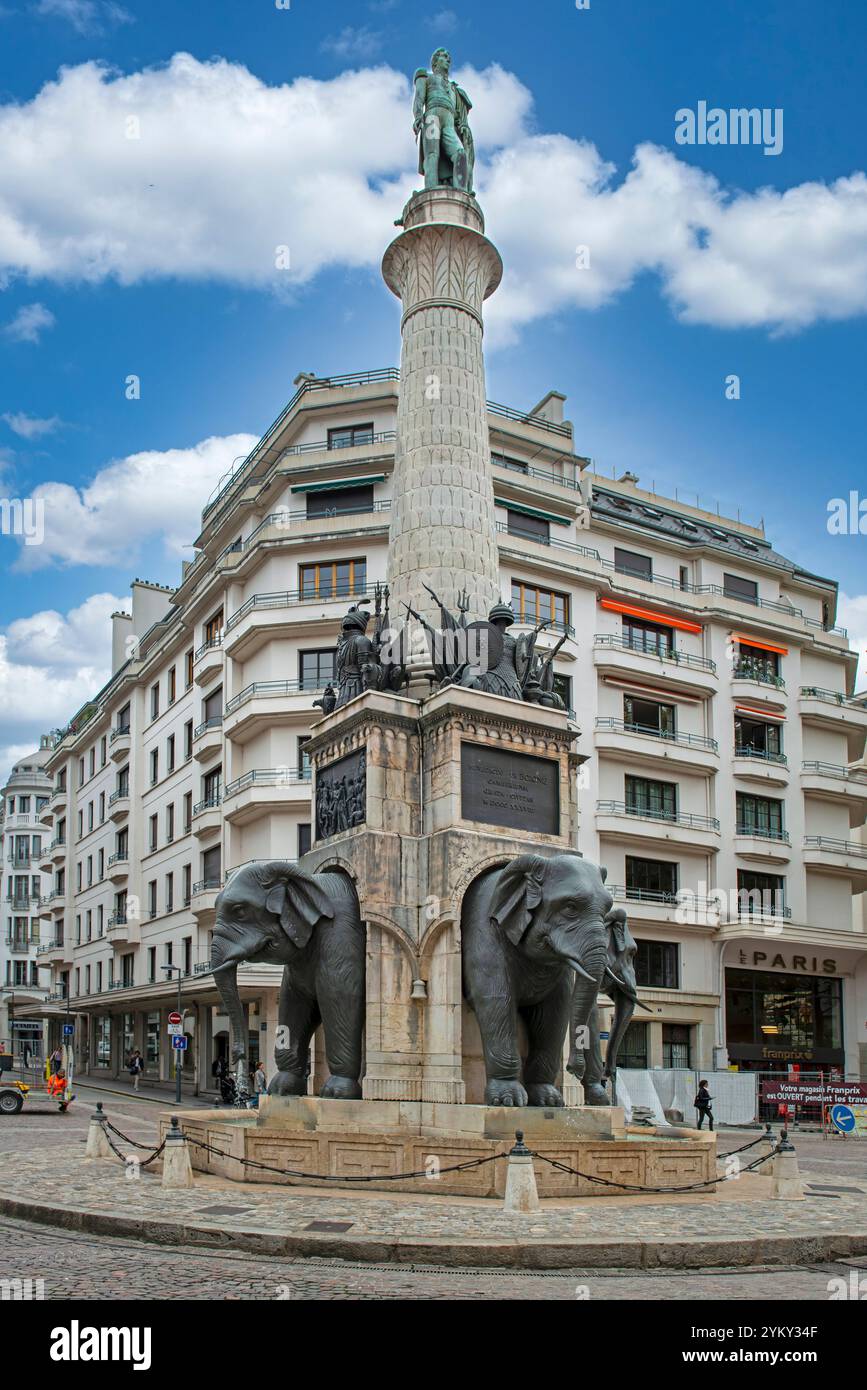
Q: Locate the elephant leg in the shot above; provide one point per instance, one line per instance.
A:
(498, 1025)
(594, 1089)
(343, 1021)
(298, 1015)
(546, 1024)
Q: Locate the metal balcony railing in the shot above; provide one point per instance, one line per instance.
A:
(648, 648)
(329, 446)
(763, 832)
(685, 818)
(267, 777)
(572, 547)
(830, 697)
(120, 856)
(208, 885)
(621, 726)
(264, 688)
(116, 919)
(121, 731)
(207, 804)
(208, 646)
(525, 470)
(824, 842)
(746, 670)
(121, 794)
(290, 597)
(215, 722)
(762, 755)
(836, 770)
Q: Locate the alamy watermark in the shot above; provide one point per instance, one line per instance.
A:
(737, 126)
(23, 517)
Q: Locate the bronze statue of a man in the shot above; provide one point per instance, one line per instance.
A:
(440, 119)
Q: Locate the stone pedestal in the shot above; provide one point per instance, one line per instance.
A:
(452, 783)
(442, 268)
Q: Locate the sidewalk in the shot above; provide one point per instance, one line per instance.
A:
(736, 1226)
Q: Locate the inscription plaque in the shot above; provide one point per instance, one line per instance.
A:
(516, 790)
(341, 795)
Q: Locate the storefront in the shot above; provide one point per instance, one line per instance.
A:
(788, 1016)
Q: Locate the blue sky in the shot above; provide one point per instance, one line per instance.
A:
(154, 255)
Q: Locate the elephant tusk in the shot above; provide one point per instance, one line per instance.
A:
(630, 995)
(579, 970)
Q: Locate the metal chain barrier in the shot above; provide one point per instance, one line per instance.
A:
(142, 1163)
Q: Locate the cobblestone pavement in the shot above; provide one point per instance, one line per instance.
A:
(109, 1269)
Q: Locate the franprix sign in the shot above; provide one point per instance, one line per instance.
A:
(814, 1092)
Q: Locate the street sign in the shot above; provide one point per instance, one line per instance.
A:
(68, 1030)
(176, 1030)
(179, 1044)
(843, 1118)
(175, 1018)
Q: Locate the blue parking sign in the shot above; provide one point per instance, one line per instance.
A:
(179, 1044)
(68, 1030)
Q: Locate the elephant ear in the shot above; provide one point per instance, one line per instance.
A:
(517, 895)
(616, 923)
(297, 899)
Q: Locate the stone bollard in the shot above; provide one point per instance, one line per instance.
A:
(521, 1194)
(787, 1185)
(97, 1139)
(177, 1168)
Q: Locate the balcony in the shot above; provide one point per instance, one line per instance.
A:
(760, 765)
(208, 661)
(119, 743)
(285, 614)
(20, 945)
(118, 866)
(46, 815)
(207, 815)
(204, 896)
(649, 747)
(118, 804)
(265, 790)
(649, 905)
(759, 678)
(53, 902)
(56, 851)
(838, 783)
(830, 709)
(208, 738)
(762, 844)
(21, 902)
(618, 820)
(120, 930)
(628, 658)
(53, 952)
(59, 800)
(842, 858)
(265, 703)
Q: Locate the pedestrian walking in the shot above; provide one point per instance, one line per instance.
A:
(135, 1067)
(702, 1103)
(260, 1085)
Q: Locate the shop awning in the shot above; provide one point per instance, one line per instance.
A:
(758, 713)
(614, 605)
(532, 511)
(756, 642)
(367, 480)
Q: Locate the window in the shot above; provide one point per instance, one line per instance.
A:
(676, 1045)
(170, 892)
(123, 720)
(188, 740)
(315, 669)
(172, 685)
(170, 823)
(531, 528)
(100, 921)
(648, 716)
(761, 895)
(170, 753)
(152, 1031)
(340, 500)
(155, 765)
(633, 1049)
(736, 587)
(532, 605)
(188, 667)
(91, 762)
(656, 964)
(757, 664)
(563, 688)
(212, 786)
(155, 700)
(188, 955)
(645, 797)
(90, 815)
(652, 878)
(347, 436)
(187, 881)
(100, 861)
(304, 764)
(188, 812)
(304, 840)
(333, 578)
(99, 977)
(80, 824)
(759, 815)
(152, 898)
(168, 954)
(756, 739)
(103, 751)
(89, 870)
(123, 781)
(684, 577)
(152, 832)
(152, 975)
(102, 808)
(642, 636)
(212, 867)
(214, 629)
(212, 708)
(630, 562)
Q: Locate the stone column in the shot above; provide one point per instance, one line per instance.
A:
(442, 268)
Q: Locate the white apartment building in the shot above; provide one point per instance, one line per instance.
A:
(723, 788)
(22, 984)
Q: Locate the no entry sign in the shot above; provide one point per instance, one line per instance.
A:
(175, 1017)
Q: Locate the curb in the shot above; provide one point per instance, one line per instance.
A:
(693, 1253)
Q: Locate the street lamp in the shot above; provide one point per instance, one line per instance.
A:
(171, 970)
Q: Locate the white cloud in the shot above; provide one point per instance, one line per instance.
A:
(31, 320)
(85, 16)
(355, 45)
(443, 22)
(79, 200)
(852, 614)
(149, 499)
(31, 426)
(50, 663)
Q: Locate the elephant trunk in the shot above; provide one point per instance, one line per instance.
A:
(584, 992)
(624, 1008)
